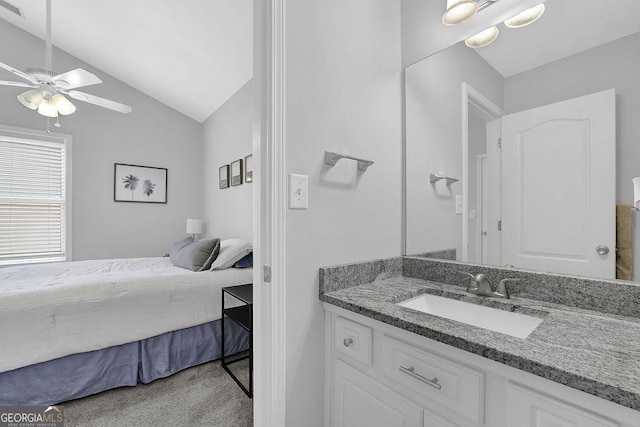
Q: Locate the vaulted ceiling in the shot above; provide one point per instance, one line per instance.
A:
(192, 55)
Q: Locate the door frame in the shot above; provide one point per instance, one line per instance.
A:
(489, 112)
(480, 180)
(269, 221)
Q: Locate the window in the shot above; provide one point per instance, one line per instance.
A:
(34, 197)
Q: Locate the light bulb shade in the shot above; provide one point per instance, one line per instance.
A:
(483, 38)
(46, 108)
(459, 11)
(31, 99)
(62, 104)
(194, 226)
(526, 17)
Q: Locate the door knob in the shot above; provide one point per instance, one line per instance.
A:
(602, 250)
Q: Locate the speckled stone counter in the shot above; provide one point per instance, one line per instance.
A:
(589, 350)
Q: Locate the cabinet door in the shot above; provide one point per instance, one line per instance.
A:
(359, 401)
(433, 420)
(528, 408)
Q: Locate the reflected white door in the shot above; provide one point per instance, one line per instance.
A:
(482, 208)
(558, 187)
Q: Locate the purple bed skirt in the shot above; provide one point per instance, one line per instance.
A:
(83, 374)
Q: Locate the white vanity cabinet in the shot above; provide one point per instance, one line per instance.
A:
(379, 375)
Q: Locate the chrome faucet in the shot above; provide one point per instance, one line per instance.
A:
(484, 288)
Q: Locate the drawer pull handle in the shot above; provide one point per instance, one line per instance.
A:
(411, 372)
(347, 342)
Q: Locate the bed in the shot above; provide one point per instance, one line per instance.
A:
(68, 330)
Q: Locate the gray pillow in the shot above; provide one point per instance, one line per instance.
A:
(195, 256)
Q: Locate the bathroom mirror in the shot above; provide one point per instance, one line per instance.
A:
(517, 153)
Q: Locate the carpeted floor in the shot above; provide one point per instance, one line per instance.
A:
(204, 395)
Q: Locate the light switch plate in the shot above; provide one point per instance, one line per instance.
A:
(458, 205)
(298, 191)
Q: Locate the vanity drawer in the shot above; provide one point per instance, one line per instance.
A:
(353, 340)
(450, 384)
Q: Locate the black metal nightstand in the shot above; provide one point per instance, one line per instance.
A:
(243, 316)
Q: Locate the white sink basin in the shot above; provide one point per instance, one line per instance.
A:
(514, 324)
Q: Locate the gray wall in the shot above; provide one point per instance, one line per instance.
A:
(612, 65)
(343, 93)
(153, 135)
(228, 137)
(433, 135)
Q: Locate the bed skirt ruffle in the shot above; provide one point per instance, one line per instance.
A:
(83, 374)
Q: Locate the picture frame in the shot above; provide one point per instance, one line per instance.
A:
(139, 184)
(236, 172)
(248, 169)
(223, 177)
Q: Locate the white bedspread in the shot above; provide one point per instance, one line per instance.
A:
(53, 310)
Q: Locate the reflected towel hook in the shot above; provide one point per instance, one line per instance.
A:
(433, 178)
(331, 159)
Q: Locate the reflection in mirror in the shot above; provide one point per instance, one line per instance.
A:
(540, 128)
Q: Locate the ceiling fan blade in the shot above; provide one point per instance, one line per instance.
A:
(76, 78)
(17, 72)
(16, 84)
(96, 100)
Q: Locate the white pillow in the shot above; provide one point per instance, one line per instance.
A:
(231, 251)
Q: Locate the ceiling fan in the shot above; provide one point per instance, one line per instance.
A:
(47, 88)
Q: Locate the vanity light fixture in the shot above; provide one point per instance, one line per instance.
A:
(483, 38)
(525, 17)
(459, 11)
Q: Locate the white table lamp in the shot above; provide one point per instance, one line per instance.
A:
(194, 226)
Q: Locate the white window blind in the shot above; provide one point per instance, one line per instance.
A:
(32, 200)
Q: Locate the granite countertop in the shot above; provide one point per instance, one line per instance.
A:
(598, 353)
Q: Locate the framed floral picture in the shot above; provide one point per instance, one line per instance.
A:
(248, 168)
(139, 184)
(236, 172)
(223, 177)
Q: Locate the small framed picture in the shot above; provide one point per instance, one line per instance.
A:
(248, 168)
(223, 176)
(139, 184)
(236, 172)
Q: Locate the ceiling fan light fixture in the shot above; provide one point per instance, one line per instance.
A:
(483, 38)
(47, 109)
(31, 99)
(62, 105)
(525, 17)
(459, 11)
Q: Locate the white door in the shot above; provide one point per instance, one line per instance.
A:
(558, 187)
(359, 401)
(482, 207)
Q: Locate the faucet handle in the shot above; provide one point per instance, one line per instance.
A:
(471, 276)
(501, 290)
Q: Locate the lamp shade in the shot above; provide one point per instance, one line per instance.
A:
(31, 99)
(46, 108)
(194, 226)
(459, 11)
(483, 38)
(62, 104)
(526, 17)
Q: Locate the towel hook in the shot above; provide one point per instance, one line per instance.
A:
(433, 178)
(331, 159)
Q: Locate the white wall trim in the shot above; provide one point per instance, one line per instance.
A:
(269, 218)
(489, 111)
